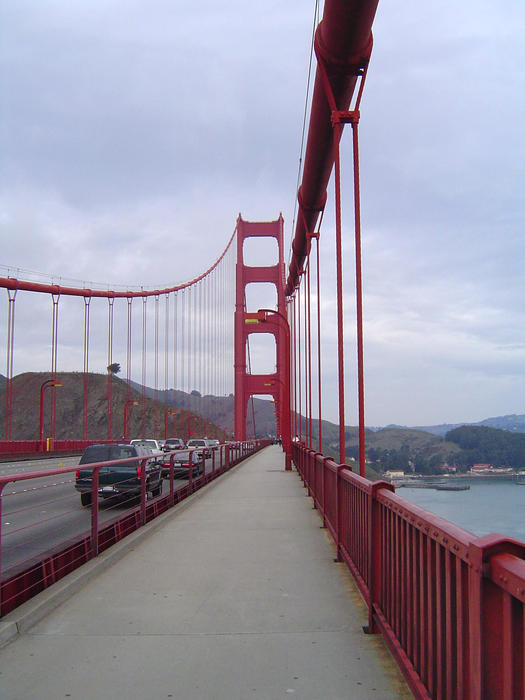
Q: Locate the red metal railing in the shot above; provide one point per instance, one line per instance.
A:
(450, 605)
(24, 579)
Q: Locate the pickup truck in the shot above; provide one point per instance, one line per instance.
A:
(118, 480)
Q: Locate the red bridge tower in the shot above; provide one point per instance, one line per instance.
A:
(273, 321)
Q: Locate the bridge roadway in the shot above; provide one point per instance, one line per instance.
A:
(233, 594)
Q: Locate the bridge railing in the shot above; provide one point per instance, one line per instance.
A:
(450, 605)
(47, 511)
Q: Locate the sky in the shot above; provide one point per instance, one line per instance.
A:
(134, 133)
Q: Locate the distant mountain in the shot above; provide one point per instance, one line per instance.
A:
(513, 422)
(217, 409)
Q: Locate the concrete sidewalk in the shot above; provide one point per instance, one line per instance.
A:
(236, 596)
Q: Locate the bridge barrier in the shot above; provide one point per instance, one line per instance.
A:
(25, 578)
(27, 449)
(450, 605)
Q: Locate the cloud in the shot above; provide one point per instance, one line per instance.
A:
(133, 135)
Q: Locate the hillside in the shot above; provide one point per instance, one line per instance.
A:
(217, 409)
(69, 410)
(479, 443)
(386, 448)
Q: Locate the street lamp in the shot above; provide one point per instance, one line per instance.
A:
(265, 315)
(45, 385)
(126, 405)
(166, 414)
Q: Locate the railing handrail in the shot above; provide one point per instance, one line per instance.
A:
(450, 604)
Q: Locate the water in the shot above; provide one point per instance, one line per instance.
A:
(488, 506)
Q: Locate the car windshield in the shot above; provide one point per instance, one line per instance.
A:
(197, 443)
(96, 453)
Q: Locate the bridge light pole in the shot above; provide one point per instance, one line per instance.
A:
(126, 406)
(166, 414)
(45, 385)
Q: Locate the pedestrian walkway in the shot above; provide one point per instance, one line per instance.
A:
(236, 595)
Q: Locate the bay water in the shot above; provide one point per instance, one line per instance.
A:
(488, 507)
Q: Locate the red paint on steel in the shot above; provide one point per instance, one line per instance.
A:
(343, 42)
(319, 376)
(338, 130)
(359, 301)
(247, 384)
(450, 605)
(11, 295)
(57, 290)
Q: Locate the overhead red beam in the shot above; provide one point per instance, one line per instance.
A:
(343, 42)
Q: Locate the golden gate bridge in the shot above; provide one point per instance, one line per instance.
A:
(450, 605)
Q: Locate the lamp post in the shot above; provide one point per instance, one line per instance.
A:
(189, 433)
(45, 385)
(265, 315)
(166, 414)
(126, 405)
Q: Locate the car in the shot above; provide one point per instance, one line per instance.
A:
(118, 480)
(199, 443)
(214, 444)
(181, 464)
(173, 444)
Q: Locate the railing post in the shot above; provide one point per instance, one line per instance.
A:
(374, 550)
(1, 489)
(143, 492)
(190, 471)
(322, 462)
(486, 678)
(94, 511)
(338, 501)
(172, 485)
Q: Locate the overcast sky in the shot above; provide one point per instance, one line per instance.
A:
(133, 133)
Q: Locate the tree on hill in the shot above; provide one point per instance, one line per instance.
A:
(489, 445)
(113, 368)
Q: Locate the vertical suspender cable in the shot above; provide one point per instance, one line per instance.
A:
(129, 346)
(338, 130)
(85, 375)
(143, 402)
(359, 298)
(183, 349)
(178, 366)
(11, 295)
(309, 357)
(299, 360)
(166, 349)
(194, 349)
(156, 370)
(199, 342)
(54, 353)
(111, 302)
(320, 431)
(305, 355)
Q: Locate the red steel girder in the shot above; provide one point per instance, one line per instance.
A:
(343, 43)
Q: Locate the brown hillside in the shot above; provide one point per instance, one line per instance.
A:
(147, 421)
